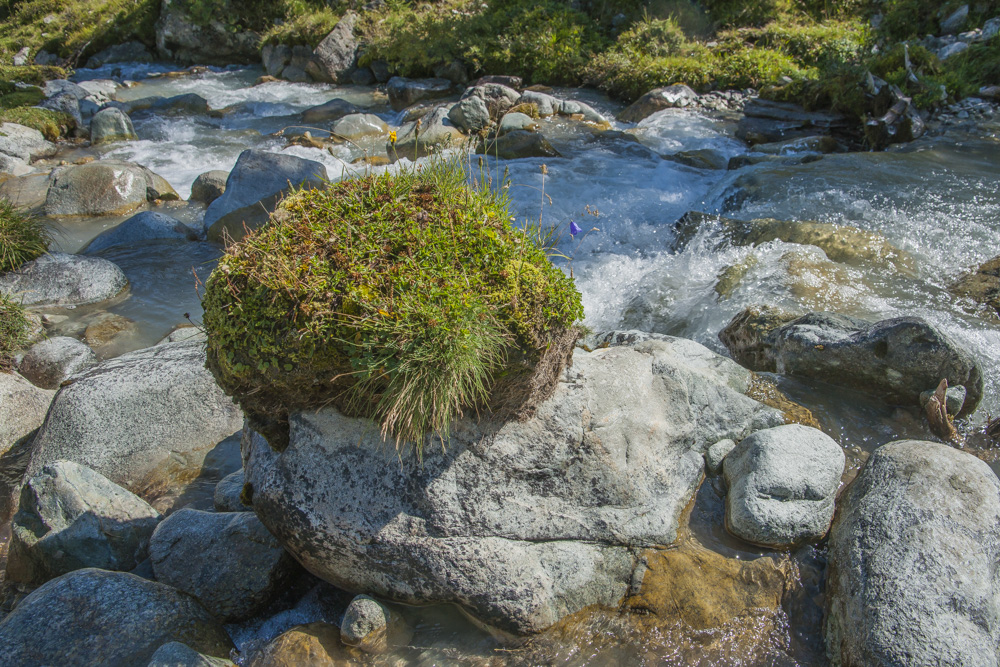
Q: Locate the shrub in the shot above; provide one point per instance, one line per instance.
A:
(653, 37)
(15, 331)
(407, 298)
(22, 238)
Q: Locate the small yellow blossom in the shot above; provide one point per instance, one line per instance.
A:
(392, 137)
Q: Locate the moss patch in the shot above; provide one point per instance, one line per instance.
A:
(407, 298)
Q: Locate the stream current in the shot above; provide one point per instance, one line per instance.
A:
(936, 199)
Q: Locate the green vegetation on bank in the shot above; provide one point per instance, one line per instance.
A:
(22, 237)
(817, 52)
(408, 298)
(17, 106)
(15, 331)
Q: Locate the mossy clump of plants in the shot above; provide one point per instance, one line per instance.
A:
(22, 237)
(15, 331)
(408, 298)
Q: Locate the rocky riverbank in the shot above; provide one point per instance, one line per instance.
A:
(687, 504)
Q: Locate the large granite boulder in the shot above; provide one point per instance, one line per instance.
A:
(47, 363)
(669, 97)
(93, 617)
(61, 279)
(227, 561)
(71, 518)
(335, 56)
(913, 556)
(110, 125)
(104, 187)
(182, 39)
(895, 359)
(128, 416)
(23, 407)
(519, 523)
(422, 137)
(142, 228)
(24, 143)
(254, 187)
(782, 485)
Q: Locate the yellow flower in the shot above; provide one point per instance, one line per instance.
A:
(392, 137)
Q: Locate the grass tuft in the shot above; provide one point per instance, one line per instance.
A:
(22, 237)
(15, 331)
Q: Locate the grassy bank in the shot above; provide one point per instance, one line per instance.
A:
(813, 51)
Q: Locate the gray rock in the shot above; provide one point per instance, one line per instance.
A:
(782, 485)
(254, 187)
(13, 166)
(955, 22)
(66, 103)
(100, 90)
(90, 617)
(362, 76)
(405, 92)
(542, 514)
(275, 57)
(295, 74)
(209, 186)
(954, 399)
(454, 71)
(43, 57)
(110, 125)
(574, 108)
(126, 416)
(381, 71)
(516, 121)
(141, 228)
(182, 39)
(24, 143)
(329, 111)
(128, 52)
(336, 55)
(186, 332)
(176, 654)
(60, 279)
(70, 518)
(53, 360)
(952, 50)
(26, 192)
(432, 133)
(359, 125)
(893, 359)
(470, 114)
(20, 59)
(912, 561)
(54, 87)
(104, 187)
(991, 28)
(670, 97)
(228, 561)
(229, 493)
(498, 97)
(547, 105)
(178, 105)
(23, 407)
(518, 144)
(372, 626)
(717, 453)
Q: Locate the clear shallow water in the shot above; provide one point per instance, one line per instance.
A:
(936, 200)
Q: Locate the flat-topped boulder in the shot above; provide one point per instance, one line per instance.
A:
(142, 228)
(61, 279)
(103, 187)
(543, 515)
(254, 187)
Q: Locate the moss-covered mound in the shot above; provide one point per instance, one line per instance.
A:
(407, 298)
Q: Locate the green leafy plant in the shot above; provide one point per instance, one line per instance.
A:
(407, 298)
(22, 237)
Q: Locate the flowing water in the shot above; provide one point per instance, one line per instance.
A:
(936, 200)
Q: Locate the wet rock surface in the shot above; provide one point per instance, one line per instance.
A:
(92, 616)
(72, 518)
(140, 228)
(782, 485)
(60, 279)
(228, 561)
(913, 552)
(565, 544)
